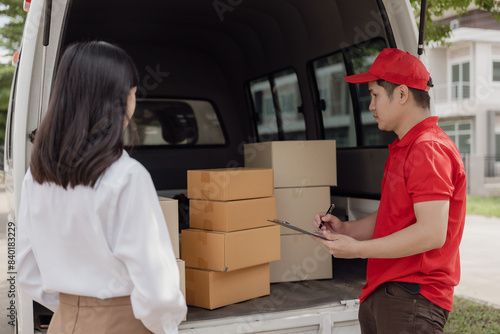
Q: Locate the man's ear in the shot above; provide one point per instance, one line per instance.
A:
(402, 93)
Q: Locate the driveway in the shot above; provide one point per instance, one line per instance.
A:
(480, 260)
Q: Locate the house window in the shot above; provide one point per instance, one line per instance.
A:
(460, 81)
(454, 24)
(460, 133)
(496, 71)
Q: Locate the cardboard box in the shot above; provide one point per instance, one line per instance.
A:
(296, 163)
(228, 184)
(299, 205)
(182, 275)
(228, 251)
(302, 259)
(232, 215)
(182, 278)
(212, 289)
(170, 209)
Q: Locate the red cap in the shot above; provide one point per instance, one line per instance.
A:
(396, 66)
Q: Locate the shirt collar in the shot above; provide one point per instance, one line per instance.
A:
(415, 131)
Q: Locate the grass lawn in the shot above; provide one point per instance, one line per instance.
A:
(469, 317)
(485, 206)
(472, 318)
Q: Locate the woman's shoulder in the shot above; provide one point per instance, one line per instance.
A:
(124, 169)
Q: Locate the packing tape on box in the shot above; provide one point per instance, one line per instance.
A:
(209, 190)
(297, 193)
(209, 207)
(202, 237)
(305, 181)
(207, 224)
(197, 205)
(202, 263)
(205, 177)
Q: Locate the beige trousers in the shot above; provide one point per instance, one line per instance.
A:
(84, 315)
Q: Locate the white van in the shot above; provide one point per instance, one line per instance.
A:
(215, 75)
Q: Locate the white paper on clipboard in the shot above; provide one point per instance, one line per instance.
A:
(293, 227)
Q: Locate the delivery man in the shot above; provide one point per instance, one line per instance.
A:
(412, 241)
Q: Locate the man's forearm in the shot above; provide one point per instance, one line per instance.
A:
(361, 229)
(407, 242)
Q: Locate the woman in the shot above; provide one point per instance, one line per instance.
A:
(93, 244)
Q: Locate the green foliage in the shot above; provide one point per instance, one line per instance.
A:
(12, 32)
(472, 318)
(6, 74)
(435, 32)
(484, 206)
(10, 39)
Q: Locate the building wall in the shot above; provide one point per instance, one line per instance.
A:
(481, 108)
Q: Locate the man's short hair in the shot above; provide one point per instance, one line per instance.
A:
(422, 98)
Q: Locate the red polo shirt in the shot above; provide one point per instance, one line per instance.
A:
(424, 166)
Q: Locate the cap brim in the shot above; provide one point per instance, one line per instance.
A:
(361, 78)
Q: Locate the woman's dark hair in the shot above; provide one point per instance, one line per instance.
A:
(82, 133)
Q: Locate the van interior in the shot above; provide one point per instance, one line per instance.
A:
(215, 75)
(218, 74)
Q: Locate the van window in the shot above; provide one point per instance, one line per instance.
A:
(333, 90)
(175, 122)
(361, 58)
(346, 119)
(277, 104)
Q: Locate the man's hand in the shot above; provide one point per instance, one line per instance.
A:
(330, 223)
(339, 245)
(353, 239)
(345, 239)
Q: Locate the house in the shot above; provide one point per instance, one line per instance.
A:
(466, 93)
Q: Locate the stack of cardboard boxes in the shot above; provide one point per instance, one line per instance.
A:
(171, 213)
(230, 243)
(303, 174)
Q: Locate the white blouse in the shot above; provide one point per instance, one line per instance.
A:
(106, 241)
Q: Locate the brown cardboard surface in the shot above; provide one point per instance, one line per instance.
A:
(299, 205)
(182, 278)
(182, 275)
(228, 251)
(302, 259)
(232, 215)
(228, 184)
(296, 163)
(212, 289)
(170, 210)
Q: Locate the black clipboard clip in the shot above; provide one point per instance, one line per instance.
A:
(293, 227)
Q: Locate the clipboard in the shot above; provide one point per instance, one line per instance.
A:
(293, 227)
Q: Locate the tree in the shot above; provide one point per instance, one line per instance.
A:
(435, 32)
(10, 40)
(6, 73)
(11, 33)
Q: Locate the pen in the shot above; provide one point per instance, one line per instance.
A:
(328, 212)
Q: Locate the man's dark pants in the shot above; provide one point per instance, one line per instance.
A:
(392, 310)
